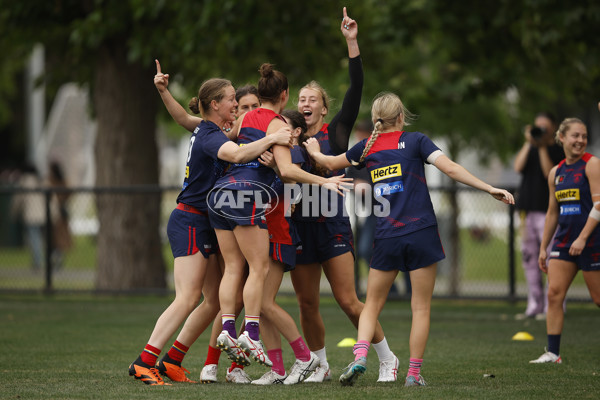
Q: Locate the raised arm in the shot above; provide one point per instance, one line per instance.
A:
(341, 125)
(460, 174)
(177, 112)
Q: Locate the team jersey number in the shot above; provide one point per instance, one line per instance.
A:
(192, 140)
(189, 157)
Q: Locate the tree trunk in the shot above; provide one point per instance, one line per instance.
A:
(129, 245)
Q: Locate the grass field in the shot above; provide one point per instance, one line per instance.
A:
(80, 347)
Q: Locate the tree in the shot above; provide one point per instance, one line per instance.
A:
(452, 63)
(111, 45)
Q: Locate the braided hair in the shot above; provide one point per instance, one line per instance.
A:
(386, 109)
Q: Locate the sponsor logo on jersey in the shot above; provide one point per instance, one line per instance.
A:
(571, 209)
(559, 179)
(384, 189)
(187, 171)
(555, 254)
(567, 195)
(386, 172)
(401, 145)
(250, 164)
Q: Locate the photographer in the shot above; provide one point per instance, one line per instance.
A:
(534, 161)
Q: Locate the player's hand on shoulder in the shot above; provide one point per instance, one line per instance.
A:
(312, 146)
(283, 136)
(267, 159)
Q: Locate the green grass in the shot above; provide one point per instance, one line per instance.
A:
(79, 348)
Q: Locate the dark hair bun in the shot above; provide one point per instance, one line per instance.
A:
(266, 70)
(194, 105)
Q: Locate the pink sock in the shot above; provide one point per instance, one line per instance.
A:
(300, 349)
(414, 367)
(361, 349)
(276, 357)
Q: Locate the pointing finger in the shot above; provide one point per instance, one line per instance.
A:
(158, 71)
(345, 13)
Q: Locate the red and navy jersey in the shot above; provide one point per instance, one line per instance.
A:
(323, 138)
(396, 163)
(574, 199)
(254, 127)
(281, 228)
(203, 167)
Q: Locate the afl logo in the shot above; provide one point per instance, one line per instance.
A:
(256, 197)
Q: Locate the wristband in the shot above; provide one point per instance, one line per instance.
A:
(595, 214)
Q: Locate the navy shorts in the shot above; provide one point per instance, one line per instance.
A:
(322, 241)
(408, 252)
(588, 260)
(189, 232)
(226, 216)
(284, 253)
(283, 236)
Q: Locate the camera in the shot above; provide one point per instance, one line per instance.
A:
(536, 132)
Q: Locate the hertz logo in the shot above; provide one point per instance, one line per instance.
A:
(386, 172)
(567, 195)
(187, 171)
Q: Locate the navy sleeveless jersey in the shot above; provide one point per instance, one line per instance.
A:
(254, 127)
(574, 199)
(323, 138)
(203, 167)
(396, 165)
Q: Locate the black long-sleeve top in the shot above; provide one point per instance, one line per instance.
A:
(342, 123)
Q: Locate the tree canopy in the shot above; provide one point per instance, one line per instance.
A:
(474, 71)
(452, 62)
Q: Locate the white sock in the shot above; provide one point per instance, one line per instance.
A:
(322, 354)
(383, 350)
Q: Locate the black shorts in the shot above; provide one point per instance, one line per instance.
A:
(322, 241)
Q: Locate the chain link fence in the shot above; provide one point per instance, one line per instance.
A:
(58, 253)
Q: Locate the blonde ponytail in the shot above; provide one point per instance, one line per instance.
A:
(374, 135)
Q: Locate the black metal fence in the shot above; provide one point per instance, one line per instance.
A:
(482, 251)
